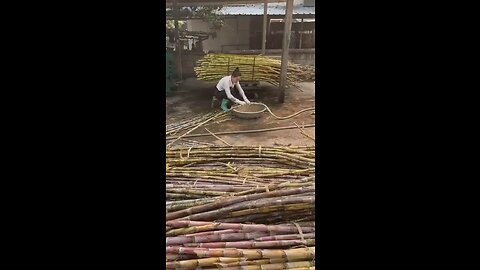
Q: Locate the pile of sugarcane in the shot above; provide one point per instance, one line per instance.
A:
(210, 245)
(187, 124)
(240, 208)
(213, 67)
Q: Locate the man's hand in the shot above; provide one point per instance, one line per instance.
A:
(241, 102)
(247, 101)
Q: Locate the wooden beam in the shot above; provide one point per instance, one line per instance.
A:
(217, 3)
(178, 47)
(238, 32)
(301, 35)
(285, 46)
(264, 31)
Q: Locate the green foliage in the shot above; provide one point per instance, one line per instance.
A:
(211, 16)
(207, 14)
(182, 25)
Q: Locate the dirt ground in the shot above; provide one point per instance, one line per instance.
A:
(194, 97)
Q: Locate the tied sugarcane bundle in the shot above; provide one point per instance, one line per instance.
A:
(213, 67)
(241, 184)
(240, 207)
(279, 157)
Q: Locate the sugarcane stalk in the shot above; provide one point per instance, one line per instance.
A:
(230, 201)
(220, 139)
(210, 187)
(226, 231)
(238, 236)
(254, 262)
(175, 196)
(239, 132)
(179, 257)
(188, 224)
(294, 208)
(253, 244)
(271, 266)
(179, 205)
(197, 126)
(269, 217)
(285, 237)
(192, 264)
(291, 254)
(192, 229)
(305, 224)
(188, 191)
(240, 209)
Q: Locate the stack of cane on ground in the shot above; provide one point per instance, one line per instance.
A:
(186, 124)
(213, 67)
(240, 208)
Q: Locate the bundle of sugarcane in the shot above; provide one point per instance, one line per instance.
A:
(184, 125)
(244, 165)
(293, 157)
(307, 74)
(257, 205)
(222, 176)
(213, 67)
(241, 183)
(240, 207)
(209, 245)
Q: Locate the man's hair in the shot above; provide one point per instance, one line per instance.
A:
(236, 73)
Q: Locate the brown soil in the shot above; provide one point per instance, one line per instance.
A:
(194, 97)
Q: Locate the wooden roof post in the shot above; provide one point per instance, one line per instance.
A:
(264, 31)
(178, 47)
(286, 43)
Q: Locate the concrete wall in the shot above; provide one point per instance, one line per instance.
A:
(304, 58)
(189, 61)
(236, 30)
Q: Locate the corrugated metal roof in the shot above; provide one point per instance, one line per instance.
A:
(216, 2)
(273, 9)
